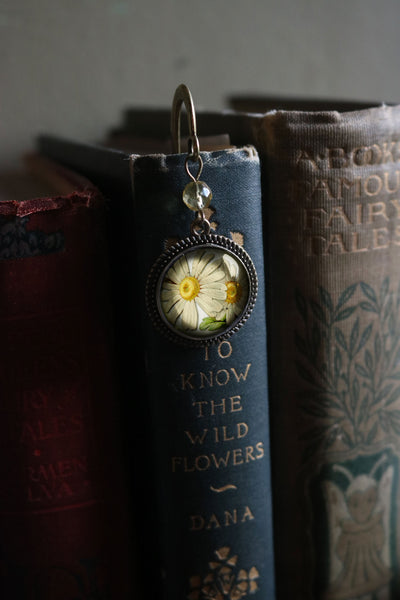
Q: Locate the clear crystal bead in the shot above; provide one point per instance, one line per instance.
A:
(197, 195)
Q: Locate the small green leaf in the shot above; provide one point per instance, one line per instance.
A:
(211, 324)
(394, 396)
(337, 362)
(388, 308)
(369, 292)
(363, 409)
(372, 434)
(364, 337)
(392, 326)
(394, 375)
(216, 325)
(361, 371)
(345, 313)
(368, 307)
(326, 298)
(383, 393)
(394, 423)
(340, 338)
(384, 289)
(377, 347)
(369, 361)
(206, 322)
(384, 421)
(355, 390)
(318, 311)
(354, 335)
(346, 295)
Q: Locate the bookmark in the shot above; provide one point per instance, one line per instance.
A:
(203, 289)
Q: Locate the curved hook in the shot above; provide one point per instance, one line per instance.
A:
(183, 96)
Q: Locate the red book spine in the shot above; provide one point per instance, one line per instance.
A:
(64, 533)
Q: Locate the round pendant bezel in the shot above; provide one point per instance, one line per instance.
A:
(168, 258)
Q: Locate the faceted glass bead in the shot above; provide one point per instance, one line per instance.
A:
(197, 195)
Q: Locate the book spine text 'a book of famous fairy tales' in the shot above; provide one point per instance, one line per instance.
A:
(332, 223)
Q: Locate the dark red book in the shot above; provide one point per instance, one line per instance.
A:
(64, 530)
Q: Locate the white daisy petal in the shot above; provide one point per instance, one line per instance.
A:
(175, 311)
(209, 305)
(189, 315)
(200, 262)
(211, 268)
(168, 303)
(179, 270)
(231, 267)
(214, 292)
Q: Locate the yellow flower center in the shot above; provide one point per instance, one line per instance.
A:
(233, 292)
(189, 288)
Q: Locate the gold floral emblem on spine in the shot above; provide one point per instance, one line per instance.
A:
(224, 580)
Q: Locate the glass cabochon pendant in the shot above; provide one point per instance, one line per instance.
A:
(202, 289)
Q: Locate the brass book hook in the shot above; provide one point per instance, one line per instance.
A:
(183, 96)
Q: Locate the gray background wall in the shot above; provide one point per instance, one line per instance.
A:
(70, 67)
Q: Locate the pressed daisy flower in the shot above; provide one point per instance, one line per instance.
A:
(193, 283)
(236, 291)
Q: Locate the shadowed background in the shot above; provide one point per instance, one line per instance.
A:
(71, 67)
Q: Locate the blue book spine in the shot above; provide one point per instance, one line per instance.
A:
(207, 407)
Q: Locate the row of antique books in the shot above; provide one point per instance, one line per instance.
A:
(204, 404)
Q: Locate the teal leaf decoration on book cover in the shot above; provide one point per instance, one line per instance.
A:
(353, 379)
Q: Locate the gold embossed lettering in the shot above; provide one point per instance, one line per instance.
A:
(230, 517)
(238, 456)
(197, 438)
(236, 403)
(336, 244)
(313, 216)
(221, 461)
(373, 185)
(249, 453)
(380, 238)
(222, 377)
(226, 434)
(322, 189)
(186, 381)
(241, 376)
(260, 450)
(198, 404)
(305, 156)
(395, 202)
(338, 212)
(224, 518)
(338, 159)
(218, 405)
(206, 379)
(225, 349)
(376, 209)
(247, 515)
(392, 186)
(356, 242)
(213, 523)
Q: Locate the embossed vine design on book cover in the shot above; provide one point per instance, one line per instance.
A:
(348, 356)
